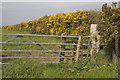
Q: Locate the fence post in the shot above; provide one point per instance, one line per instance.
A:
(94, 47)
(75, 41)
(89, 47)
(78, 49)
(63, 40)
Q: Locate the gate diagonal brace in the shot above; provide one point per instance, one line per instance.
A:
(12, 38)
(46, 48)
(9, 39)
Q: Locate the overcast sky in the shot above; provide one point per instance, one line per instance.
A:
(16, 12)
(59, 0)
(0, 14)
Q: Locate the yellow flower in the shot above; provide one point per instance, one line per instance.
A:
(38, 29)
(52, 31)
(32, 26)
(75, 21)
(105, 41)
(20, 28)
(57, 32)
(116, 32)
(115, 26)
(27, 26)
(109, 6)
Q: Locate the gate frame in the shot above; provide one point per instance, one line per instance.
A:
(39, 44)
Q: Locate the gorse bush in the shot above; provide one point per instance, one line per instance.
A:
(72, 23)
(75, 23)
(109, 25)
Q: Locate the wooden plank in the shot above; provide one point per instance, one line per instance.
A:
(75, 41)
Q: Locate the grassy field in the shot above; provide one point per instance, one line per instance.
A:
(99, 67)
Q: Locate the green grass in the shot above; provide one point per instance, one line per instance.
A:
(33, 69)
(99, 67)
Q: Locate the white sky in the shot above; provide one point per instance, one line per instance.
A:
(60, 0)
(0, 14)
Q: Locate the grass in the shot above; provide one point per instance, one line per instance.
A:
(99, 67)
(33, 69)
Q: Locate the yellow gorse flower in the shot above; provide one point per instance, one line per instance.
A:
(109, 6)
(27, 26)
(52, 31)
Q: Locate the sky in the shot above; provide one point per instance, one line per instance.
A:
(59, 0)
(15, 12)
(0, 14)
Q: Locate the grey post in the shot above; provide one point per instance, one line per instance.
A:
(94, 39)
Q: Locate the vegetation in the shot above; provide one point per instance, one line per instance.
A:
(110, 28)
(55, 24)
(100, 67)
(110, 22)
(74, 23)
(24, 69)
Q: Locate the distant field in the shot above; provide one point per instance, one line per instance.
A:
(25, 68)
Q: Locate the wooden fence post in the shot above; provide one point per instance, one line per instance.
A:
(63, 40)
(89, 47)
(75, 41)
(78, 49)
